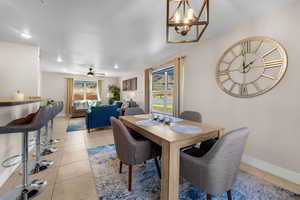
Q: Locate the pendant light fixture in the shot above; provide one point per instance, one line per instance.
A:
(185, 23)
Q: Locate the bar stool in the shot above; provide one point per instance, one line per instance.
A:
(47, 150)
(28, 189)
(58, 108)
(39, 165)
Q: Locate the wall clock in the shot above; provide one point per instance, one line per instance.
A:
(251, 67)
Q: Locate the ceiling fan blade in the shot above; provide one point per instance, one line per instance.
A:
(100, 74)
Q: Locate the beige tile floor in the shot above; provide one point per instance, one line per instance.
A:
(71, 178)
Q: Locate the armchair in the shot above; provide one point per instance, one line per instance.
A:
(216, 171)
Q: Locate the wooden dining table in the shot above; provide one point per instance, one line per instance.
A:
(171, 143)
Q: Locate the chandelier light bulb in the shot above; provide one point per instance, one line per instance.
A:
(177, 17)
(186, 20)
(190, 14)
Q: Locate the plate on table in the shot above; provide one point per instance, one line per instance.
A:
(147, 122)
(186, 129)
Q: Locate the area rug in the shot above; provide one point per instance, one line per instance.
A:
(76, 125)
(146, 184)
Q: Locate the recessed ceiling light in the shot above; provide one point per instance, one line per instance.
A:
(59, 59)
(26, 35)
(116, 66)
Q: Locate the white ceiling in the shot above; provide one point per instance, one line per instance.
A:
(130, 33)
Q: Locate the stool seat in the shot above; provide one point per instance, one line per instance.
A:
(31, 122)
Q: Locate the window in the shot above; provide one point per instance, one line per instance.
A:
(85, 90)
(162, 94)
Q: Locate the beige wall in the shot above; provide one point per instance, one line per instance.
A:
(273, 117)
(54, 85)
(20, 70)
(137, 95)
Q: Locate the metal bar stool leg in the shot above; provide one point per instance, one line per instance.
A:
(47, 150)
(29, 189)
(52, 141)
(39, 165)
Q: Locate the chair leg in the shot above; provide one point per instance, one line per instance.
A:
(208, 197)
(229, 196)
(129, 178)
(120, 169)
(157, 167)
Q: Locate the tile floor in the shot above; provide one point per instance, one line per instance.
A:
(71, 177)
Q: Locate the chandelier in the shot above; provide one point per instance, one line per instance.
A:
(185, 24)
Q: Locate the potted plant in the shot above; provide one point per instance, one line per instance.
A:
(114, 94)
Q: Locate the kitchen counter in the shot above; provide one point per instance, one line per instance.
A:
(13, 102)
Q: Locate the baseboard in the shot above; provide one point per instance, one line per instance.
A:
(4, 176)
(291, 176)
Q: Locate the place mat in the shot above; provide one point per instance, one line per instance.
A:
(141, 116)
(186, 129)
(147, 122)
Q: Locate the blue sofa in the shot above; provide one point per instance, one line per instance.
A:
(100, 116)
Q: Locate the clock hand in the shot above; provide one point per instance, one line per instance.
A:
(250, 63)
(244, 61)
(243, 65)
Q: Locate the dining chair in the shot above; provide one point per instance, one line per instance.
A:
(134, 111)
(131, 151)
(192, 116)
(205, 145)
(216, 171)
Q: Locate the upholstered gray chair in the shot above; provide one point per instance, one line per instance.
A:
(205, 145)
(131, 151)
(191, 115)
(134, 111)
(216, 171)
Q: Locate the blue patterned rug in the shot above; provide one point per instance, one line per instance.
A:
(146, 184)
(76, 125)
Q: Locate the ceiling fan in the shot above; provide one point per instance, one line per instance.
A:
(91, 71)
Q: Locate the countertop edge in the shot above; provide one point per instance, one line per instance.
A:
(15, 103)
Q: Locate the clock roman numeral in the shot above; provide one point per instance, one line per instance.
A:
(246, 47)
(223, 73)
(228, 63)
(269, 52)
(243, 90)
(273, 63)
(225, 80)
(268, 76)
(258, 47)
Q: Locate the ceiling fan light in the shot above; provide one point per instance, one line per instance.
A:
(90, 74)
